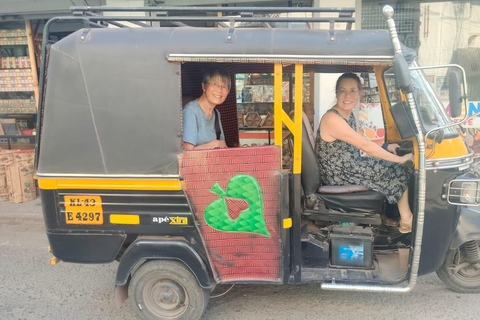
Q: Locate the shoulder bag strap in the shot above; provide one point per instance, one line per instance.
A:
(217, 124)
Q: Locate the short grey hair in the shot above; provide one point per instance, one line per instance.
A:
(213, 72)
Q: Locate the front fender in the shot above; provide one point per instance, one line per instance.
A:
(150, 248)
(468, 227)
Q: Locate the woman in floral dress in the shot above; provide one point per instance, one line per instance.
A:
(338, 148)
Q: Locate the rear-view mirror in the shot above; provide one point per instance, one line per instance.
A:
(454, 93)
(402, 73)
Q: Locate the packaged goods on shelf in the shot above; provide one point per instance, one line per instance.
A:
(16, 87)
(17, 84)
(247, 94)
(16, 80)
(239, 84)
(13, 41)
(257, 93)
(305, 93)
(6, 33)
(15, 73)
(285, 91)
(15, 62)
(268, 93)
(17, 103)
(22, 124)
(21, 143)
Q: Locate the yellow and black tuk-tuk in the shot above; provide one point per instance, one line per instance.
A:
(116, 185)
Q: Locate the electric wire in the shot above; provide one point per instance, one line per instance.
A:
(222, 294)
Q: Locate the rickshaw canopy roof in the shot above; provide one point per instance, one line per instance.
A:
(112, 103)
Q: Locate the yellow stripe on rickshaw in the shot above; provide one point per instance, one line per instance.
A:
(109, 184)
(124, 219)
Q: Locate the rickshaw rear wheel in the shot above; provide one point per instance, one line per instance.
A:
(458, 272)
(164, 289)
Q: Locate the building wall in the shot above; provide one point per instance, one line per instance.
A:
(446, 27)
(126, 3)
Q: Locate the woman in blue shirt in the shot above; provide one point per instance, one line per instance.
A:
(199, 130)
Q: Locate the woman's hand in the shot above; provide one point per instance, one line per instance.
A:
(214, 144)
(392, 148)
(407, 157)
(217, 144)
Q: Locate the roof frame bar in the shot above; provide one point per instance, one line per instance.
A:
(222, 19)
(237, 10)
(242, 14)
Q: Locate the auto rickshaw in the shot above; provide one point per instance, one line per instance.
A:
(116, 185)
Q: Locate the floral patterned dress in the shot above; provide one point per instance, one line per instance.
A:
(342, 164)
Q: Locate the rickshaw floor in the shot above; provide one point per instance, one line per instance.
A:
(340, 274)
(386, 269)
(389, 266)
(390, 238)
(386, 266)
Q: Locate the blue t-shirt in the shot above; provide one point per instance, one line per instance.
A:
(197, 128)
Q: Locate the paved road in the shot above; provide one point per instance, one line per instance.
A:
(31, 288)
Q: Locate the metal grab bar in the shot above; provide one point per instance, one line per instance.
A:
(214, 9)
(232, 14)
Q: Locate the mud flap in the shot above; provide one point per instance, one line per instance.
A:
(121, 294)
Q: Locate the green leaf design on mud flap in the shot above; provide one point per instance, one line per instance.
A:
(251, 219)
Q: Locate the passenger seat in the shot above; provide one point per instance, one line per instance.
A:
(349, 203)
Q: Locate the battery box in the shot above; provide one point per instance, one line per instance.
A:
(351, 247)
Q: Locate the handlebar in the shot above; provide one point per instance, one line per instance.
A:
(403, 151)
(408, 163)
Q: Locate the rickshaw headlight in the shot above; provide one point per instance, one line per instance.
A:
(464, 192)
(469, 192)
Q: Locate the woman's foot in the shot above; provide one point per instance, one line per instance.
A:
(389, 222)
(406, 227)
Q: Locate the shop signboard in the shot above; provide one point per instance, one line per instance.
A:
(473, 107)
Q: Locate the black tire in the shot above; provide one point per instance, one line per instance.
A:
(466, 279)
(164, 289)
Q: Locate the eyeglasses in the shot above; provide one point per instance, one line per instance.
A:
(218, 86)
(344, 92)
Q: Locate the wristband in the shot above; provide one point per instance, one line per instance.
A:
(385, 146)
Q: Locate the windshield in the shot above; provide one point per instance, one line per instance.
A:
(431, 110)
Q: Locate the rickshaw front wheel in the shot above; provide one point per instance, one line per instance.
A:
(461, 269)
(163, 289)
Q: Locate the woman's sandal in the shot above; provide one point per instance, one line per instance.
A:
(389, 222)
(406, 227)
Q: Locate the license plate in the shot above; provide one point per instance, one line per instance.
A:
(83, 210)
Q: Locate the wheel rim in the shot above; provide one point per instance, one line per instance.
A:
(165, 298)
(468, 273)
